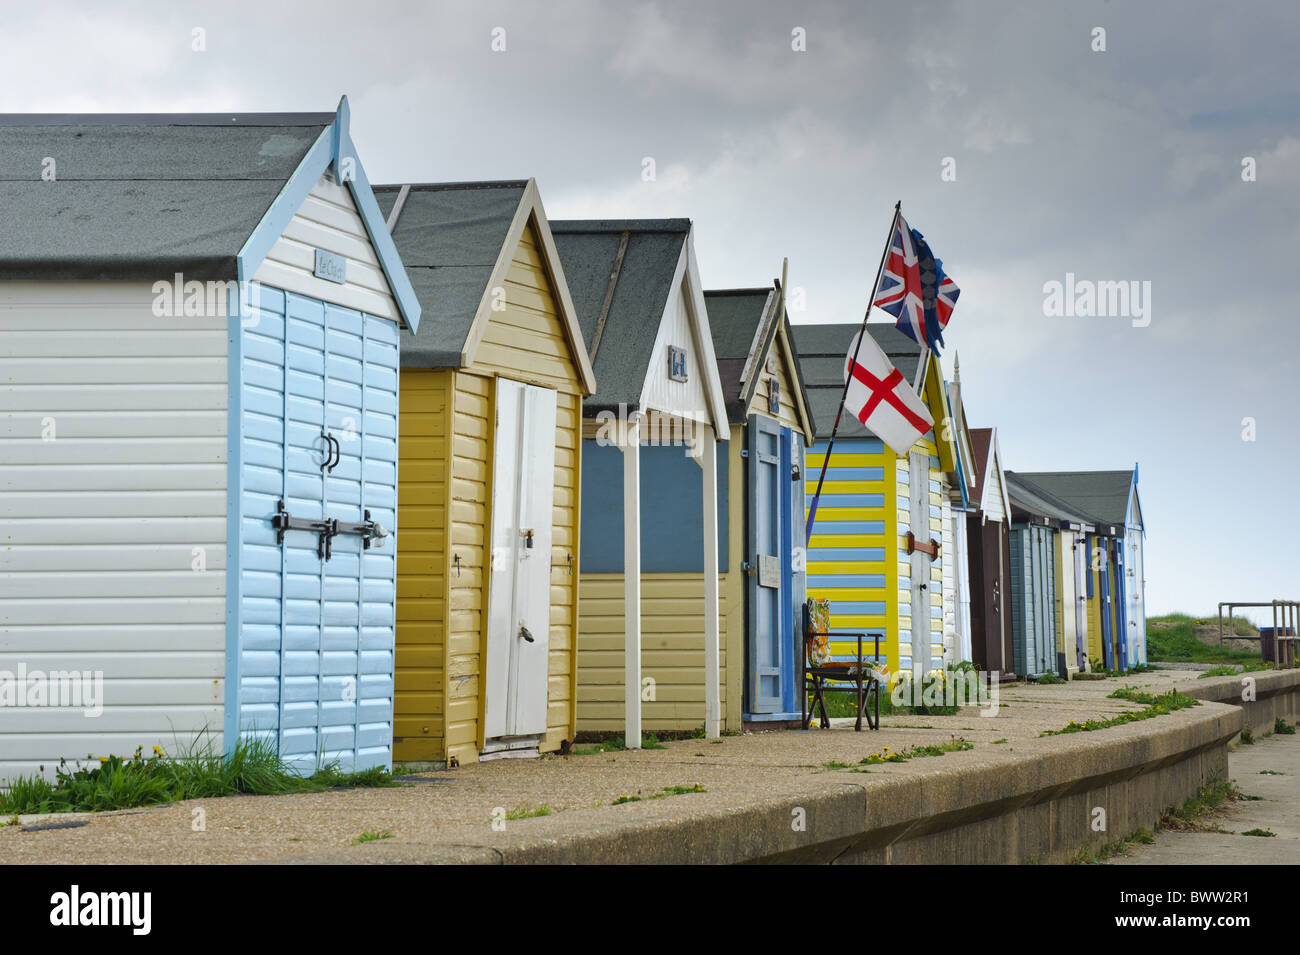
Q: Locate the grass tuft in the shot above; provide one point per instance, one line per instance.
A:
(196, 772)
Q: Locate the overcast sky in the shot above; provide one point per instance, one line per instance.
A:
(1122, 165)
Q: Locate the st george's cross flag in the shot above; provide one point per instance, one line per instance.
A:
(914, 288)
(881, 398)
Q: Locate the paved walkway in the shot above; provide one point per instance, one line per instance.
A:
(1277, 809)
(455, 808)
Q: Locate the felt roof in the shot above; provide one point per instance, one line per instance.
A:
(737, 317)
(823, 351)
(449, 236)
(1102, 494)
(621, 340)
(141, 196)
(1029, 499)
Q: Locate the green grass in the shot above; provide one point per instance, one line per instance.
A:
(1187, 816)
(371, 835)
(1282, 727)
(1247, 737)
(115, 782)
(617, 744)
(1208, 799)
(1176, 642)
(1266, 833)
(661, 794)
(1089, 856)
(1152, 706)
(996, 741)
(1271, 772)
(885, 755)
(1048, 678)
(529, 812)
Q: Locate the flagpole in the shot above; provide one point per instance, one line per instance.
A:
(826, 458)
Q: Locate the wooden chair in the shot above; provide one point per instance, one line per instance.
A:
(821, 675)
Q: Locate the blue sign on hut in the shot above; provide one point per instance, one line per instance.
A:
(201, 317)
(654, 533)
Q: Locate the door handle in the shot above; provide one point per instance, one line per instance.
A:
(333, 452)
(523, 632)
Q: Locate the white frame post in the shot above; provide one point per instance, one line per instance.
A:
(706, 449)
(631, 448)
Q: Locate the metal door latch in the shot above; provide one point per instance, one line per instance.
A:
(523, 632)
(326, 529)
(528, 538)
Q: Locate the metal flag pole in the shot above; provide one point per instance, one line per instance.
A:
(826, 458)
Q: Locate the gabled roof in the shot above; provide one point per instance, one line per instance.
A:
(823, 351)
(1028, 500)
(984, 444)
(1104, 495)
(747, 325)
(457, 242)
(621, 274)
(140, 196)
(145, 196)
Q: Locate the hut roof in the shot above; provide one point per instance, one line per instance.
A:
(141, 196)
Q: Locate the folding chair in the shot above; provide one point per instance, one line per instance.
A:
(822, 675)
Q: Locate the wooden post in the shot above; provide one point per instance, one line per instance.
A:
(707, 449)
(631, 446)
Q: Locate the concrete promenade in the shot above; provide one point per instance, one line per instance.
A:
(786, 796)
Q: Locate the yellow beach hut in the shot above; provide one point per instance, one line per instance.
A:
(653, 547)
(488, 476)
(876, 550)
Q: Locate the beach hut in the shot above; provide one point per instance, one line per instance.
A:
(989, 552)
(489, 476)
(956, 506)
(200, 318)
(876, 549)
(771, 427)
(654, 541)
(1110, 499)
(1060, 550)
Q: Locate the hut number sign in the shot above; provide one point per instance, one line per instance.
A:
(677, 363)
(331, 267)
(769, 571)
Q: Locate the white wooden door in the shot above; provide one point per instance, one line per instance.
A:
(919, 511)
(519, 586)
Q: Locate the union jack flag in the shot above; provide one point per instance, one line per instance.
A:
(914, 288)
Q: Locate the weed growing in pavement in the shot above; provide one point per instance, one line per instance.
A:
(1153, 705)
(253, 767)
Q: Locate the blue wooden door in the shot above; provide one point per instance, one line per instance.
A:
(318, 433)
(1121, 626)
(794, 564)
(765, 577)
(1107, 631)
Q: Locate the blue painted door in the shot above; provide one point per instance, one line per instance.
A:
(794, 564)
(1121, 626)
(763, 555)
(1102, 559)
(314, 672)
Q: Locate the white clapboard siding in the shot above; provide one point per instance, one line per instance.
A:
(686, 399)
(112, 515)
(328, 220)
